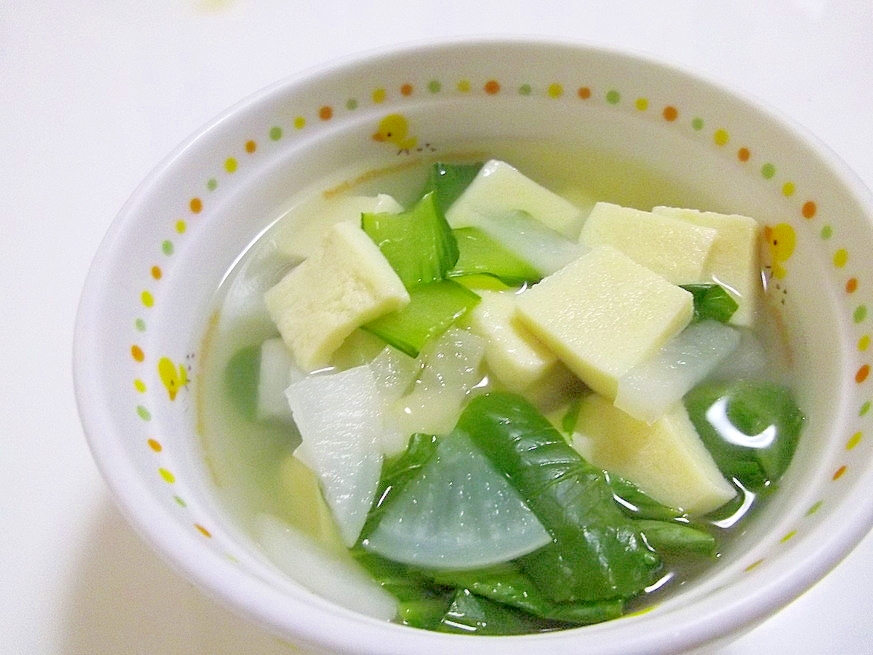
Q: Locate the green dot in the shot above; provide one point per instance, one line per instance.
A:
(827, 232)
(524, 89)
(613, 97)
(351, 104)
(864, 408)
(212, 184)
(143, 413)
(812, 510)
(860, 313)
(140, 325)
(167, 247)
(275, 133)
(768, 171)
(180, 502)
(434, 86)
(697, 124)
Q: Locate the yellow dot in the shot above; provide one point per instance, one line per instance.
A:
(555, 90)
(788, 189)
(864, 342)
(299, 123)
(642, 104)
(841, 257)
(788, 536)
(167, 476)
(147, 299)
(379, 96)
(754, 565)
(854, 440)
(464, 86)
(181, 226)
(139, 385)
(721, 137)
(230, 165)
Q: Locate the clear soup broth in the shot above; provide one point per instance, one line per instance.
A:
(251, 460)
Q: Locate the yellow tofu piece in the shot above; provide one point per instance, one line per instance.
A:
(500, 189)
(345, 283)
(515, 356)
(602, 314)
(674, 248)
(734, 261)
(666, 459)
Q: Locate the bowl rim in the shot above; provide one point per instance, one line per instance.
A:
(259, 601)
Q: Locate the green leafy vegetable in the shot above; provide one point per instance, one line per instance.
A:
(711, 301)
(418, 243)
(638, 504)
(508, 585)
(480, 254)
(750, 427)
(472, 614)
(450, 180)
(421, 604)
(433, 307)
(676, 538)
(241, 380)
(396, 473)
(597, 552)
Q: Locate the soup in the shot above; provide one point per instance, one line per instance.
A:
(438, 559)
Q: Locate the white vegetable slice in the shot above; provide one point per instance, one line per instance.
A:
(649, 389)
(339, 416)
(274, 376)
(500, 189)
(335, 577)
(458, 513)
(540, 246)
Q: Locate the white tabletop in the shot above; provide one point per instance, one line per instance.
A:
(94, 94)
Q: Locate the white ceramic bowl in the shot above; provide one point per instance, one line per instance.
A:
(148, 296)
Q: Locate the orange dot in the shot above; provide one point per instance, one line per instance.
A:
(196, 205)
(155, 445)
(203, 531)
(839, 472)
(743, 154)
(156, 272)
(670, 113)
(406, 89)
(325, 113)
(251, 146)
(862, 373)
(808, 210)
(137, 353)
(852, 285)
(492, 87)
(584, 92)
